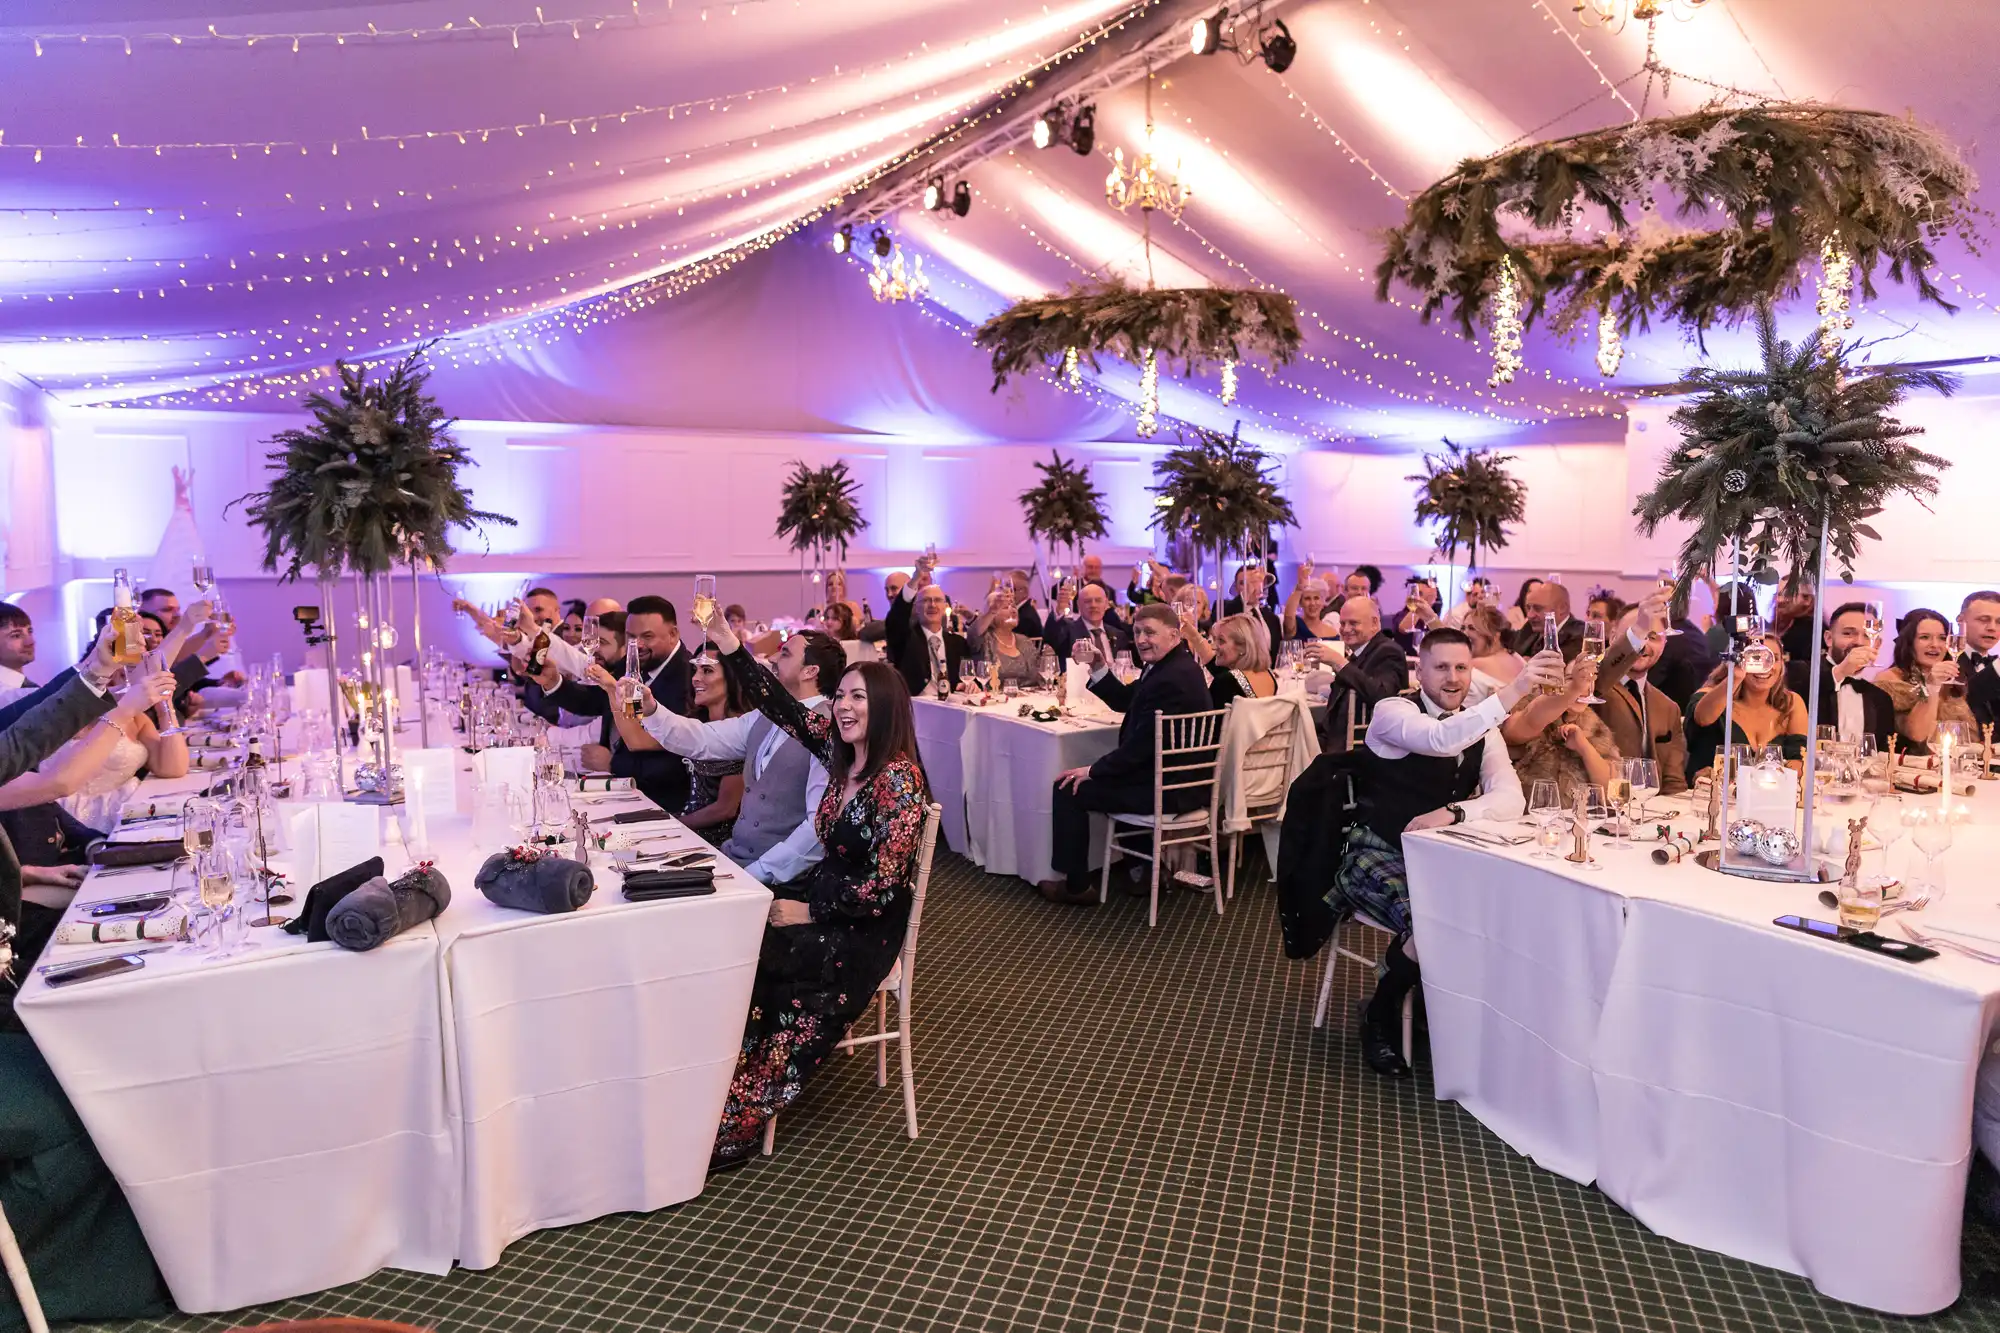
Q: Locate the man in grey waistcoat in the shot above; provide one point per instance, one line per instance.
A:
(774, 838)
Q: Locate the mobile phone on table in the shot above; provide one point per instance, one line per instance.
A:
(140, 906)
(103, 967)
(1890, 948)
(1826, 930)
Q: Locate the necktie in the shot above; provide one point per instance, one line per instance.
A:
(1097, 641)
(937, 657)
(1638, 689)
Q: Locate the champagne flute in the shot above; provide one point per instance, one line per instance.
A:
(217, 887)
(163, 711)
(1664, 580)
(1596, 634)
(704, 599)
(1596, 807)
(1874, 617)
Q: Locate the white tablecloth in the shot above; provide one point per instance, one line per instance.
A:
(300, 1117)
(995, 771)
(1734, 1085)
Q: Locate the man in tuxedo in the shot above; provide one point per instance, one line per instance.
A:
(1980, 614)
(1027, 617)
(668, 672)
(915, 639)
(1374, 668)
(17, 647)
(1547, 598)
(1251, 584)
(1686, 659)
(1091, 624)
(1170, 682)
(1845, 700)
(1644, 722)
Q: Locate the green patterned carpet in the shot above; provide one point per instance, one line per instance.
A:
(1122, 1129)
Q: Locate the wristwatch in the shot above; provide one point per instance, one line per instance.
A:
(1457, 813)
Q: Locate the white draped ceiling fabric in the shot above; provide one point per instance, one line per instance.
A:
(620, 213)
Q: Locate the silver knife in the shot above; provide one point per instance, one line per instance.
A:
(73, 964)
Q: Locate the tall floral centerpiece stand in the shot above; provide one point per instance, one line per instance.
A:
(1778, 470)
(820, 512)
(1213, 490)
(370, 485)
(1063, 510)
(1470, 497)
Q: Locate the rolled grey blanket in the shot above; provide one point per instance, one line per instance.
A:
(550, 884)
(378, 909)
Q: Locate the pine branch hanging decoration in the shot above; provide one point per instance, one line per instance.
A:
(1787, 178)
(1765, 453)
(819, 510)
(1471, 497)
(1064, 508)
(1193, 327)
(1214, 491)
(371, 484)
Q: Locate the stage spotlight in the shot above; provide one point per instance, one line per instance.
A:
(1083, 131)
(1048, 128)
(934, 197)
(1279, 47)
(843, 240)
(961, 198)
(1205, 37)
(883, 245)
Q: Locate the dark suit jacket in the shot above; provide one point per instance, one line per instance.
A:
(1685, 661)
(1528, 639)
(1982, 687)
(1878, 710)
(188, 672)
(1379, 670)
(906, 649)
(1174, 684)
(1064, 633)
(31, 737)
(661, 778)
(1028, 620)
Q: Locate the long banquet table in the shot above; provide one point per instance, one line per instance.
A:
(994, 772)
(1735, 1085)
(299, 1116)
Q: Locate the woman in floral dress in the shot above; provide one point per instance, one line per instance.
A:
(835, 932)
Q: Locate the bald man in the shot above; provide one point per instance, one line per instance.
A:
(1545, 599)
(1376, 668)
(603, 606)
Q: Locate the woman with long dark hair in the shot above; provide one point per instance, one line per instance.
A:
(715, 786)
(1923, 680)
(833, 934)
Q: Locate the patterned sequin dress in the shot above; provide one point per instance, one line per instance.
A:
(814, 980)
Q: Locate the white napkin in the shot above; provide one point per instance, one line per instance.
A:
(511, 764)
(1082, 703)
(437, 788)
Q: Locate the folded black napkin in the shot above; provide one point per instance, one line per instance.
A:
(311, 920)
(546, 884)
(105, 852)
(638, 816)
(378, 909)
(647, 885)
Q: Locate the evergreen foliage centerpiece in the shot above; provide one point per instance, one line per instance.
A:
(819, 512)
(1065, 508)
(1522, 232)
(372, 483)
(1770, 453)
(1214, 492)
(1195, 328)
(1471, 497)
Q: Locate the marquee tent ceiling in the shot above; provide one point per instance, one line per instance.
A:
(208, 207)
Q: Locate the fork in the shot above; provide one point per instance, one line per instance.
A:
(1916, 936)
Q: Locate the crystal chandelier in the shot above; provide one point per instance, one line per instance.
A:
(1615, 14)
(893, 280)
(1144, 184)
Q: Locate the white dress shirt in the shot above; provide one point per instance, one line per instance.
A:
(1853, 716)
(1400, 727)
(730, 739)
(10, 679)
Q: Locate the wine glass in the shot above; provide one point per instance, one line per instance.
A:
(972, 671)
(1596, 634)
(202, 577)
(1545, 808)
(1596, 807)
(1046, 667)
(1644, 777)
(1664, 580)
(1618, 804)
(1874, 616)
(216, 880)
(1931, 832)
